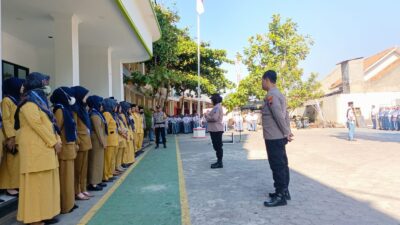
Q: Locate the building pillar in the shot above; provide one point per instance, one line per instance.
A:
(66, 50)
(190, 107)
(183, 108)
(95, 70)
(117, 80)
(1, 57)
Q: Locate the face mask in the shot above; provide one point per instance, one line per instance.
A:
(47, 90)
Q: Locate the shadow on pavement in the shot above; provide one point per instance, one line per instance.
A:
(235, 194)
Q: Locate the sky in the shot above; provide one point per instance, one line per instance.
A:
(341, 29)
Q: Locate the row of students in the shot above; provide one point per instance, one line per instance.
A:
(55, 153)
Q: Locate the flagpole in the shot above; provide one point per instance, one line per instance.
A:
(198, 65)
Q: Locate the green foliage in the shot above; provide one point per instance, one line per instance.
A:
(147, 116)
(174, 64)
(281, 49)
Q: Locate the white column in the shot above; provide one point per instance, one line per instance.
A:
(1, 57)
(183, 108)
(117, 80)
(171, 108)
(191, 107)
(94, 69)
(66, 48)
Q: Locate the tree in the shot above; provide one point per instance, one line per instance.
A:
(281, 49)
(210, 67)
(174, 64)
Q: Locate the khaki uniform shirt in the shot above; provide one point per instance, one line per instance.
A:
(159, 119)
(275, 117)
(214, 119)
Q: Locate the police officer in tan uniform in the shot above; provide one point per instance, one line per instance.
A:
(277, 133)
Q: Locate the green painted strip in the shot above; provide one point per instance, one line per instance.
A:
(133, 26)
(149, 195)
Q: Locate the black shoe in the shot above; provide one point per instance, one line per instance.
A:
(278, 200)
(73, 208)
(157, 146)
(102, 184)
(51, 221)
(107, 181)
(95, 188)
(165, 146)
(217, 165)
(285, 193)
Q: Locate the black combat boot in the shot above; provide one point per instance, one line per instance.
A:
(217, 165)
(278, 200)
(285, 193)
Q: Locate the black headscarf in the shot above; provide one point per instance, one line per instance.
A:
(80, 93)
(33, 93)
(60, 99)
(12, 88)
(109, 105)
(118, 115)
(125, 106)
(95, 102)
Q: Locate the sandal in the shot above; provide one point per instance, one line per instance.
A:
(81, 197)
(87, 194)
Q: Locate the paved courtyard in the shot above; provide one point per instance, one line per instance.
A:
(333, 181)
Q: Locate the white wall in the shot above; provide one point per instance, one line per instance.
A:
(22, 53)
(117, 80)
(94, 70)
(335, 107)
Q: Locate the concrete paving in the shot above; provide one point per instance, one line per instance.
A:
(333, 181)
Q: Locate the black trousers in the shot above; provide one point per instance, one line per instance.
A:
(216, 138)
(160, 131)
(278, 161)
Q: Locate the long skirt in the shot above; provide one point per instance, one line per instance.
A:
(9, 171)
(81, 168)
(120, 154)
(129, 156)
(39, 196)
(96, 166)
(109, 162)
(138, 141)
(67, 187)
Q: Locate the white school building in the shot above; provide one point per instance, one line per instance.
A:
(77, 42)
(365, 81)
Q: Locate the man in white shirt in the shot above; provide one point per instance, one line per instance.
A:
(248, 122)
(254, 120)
(374, 114)
(351, 121)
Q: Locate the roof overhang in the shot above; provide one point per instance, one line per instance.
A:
(128, 27)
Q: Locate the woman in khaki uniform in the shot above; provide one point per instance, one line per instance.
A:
(99, 141)
(62, 102)
(9, 168)
(38, 145)
(138, 127)
(1, 143)
(129, 156)
(84, 143)
(109, 106)
(122, 138)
